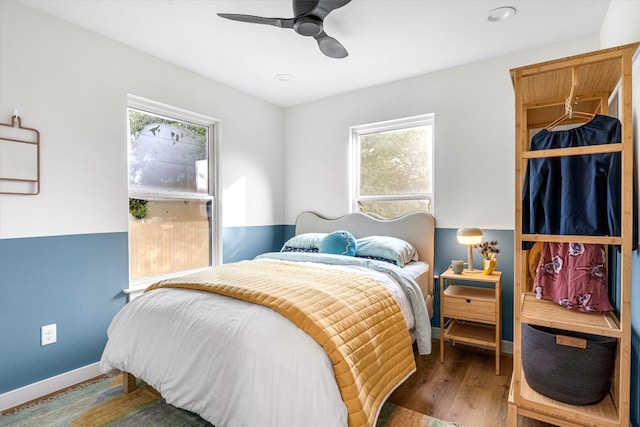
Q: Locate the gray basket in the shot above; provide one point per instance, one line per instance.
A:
(556, 366)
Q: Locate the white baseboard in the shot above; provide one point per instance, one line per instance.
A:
(33, 391)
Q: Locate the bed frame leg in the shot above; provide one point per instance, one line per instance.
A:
(128, 382)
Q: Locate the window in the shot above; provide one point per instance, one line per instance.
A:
(171, 191)
(392, 167)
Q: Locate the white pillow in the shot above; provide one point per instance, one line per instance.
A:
(397, 251)
(306, 241)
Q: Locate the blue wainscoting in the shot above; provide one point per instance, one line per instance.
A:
(240, 243)
(73, 281)
(448, 248)
(76, 282)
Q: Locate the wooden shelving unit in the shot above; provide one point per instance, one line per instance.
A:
(593, 82)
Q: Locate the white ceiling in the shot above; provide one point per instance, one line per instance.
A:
(387, 40)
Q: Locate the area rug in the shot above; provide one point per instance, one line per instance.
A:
(101, 403)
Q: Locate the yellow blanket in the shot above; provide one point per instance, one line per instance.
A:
(355, 319)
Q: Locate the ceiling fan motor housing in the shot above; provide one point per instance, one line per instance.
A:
(308, 26)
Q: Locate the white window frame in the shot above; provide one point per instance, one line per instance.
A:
(386, 126)
(136, 102)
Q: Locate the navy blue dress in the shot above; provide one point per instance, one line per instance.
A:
(575, 194)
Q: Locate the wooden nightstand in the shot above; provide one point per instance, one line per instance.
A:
(472, 313)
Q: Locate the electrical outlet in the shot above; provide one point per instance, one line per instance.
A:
(48, 334)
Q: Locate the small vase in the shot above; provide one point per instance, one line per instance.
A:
(488, 265)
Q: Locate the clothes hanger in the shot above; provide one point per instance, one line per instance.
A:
(568, 115)
(568, 105)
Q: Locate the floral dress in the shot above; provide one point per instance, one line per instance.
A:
(573, 275)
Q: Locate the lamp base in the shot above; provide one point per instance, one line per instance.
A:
(470, 268)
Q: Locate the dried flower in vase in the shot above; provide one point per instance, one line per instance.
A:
(489, 250)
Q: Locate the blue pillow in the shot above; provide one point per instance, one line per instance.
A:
(339, 243)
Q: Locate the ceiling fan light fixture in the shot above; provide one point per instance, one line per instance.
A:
(501, 13)
(308, 26)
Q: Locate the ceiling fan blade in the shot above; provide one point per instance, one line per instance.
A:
(317, 8)
(308, 21)
(276, 22)
(330, 46)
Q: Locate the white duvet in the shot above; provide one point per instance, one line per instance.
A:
(232, 362)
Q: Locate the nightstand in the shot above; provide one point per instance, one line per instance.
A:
(472, 313)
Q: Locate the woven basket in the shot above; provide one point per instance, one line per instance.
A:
(570, 367)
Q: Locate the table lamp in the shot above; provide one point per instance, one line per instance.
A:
(469, 237)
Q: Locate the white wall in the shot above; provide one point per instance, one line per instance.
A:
(71, 85)
(474, 139)
(621, 24)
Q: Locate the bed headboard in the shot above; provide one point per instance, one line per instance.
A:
(417, 228)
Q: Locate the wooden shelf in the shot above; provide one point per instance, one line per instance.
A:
(538, 406)
(546, 85)
(566, 238)
(573, 151)
(547, 313)
(475, 276)
(472, 333)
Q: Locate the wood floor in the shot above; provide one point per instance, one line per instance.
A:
(464, 389)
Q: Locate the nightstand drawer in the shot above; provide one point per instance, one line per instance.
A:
(470, 303)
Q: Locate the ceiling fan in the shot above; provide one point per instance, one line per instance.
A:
(308, 21)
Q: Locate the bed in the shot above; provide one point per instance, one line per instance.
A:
(324, 342)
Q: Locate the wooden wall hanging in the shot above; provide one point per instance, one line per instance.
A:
(19, 158)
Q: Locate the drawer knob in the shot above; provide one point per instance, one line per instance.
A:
(468, 301)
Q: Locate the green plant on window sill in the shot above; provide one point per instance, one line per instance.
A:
(138, 208)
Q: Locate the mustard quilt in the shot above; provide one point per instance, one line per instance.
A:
(354, 318)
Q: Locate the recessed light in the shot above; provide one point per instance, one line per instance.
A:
(284, 77)
(501, 14)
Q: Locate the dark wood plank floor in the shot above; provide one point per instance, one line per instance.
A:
(464, 389)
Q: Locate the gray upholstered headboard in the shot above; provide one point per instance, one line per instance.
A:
(417, 228)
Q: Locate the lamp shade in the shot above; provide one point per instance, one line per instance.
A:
(469, 236)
